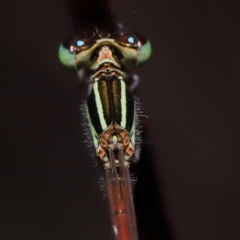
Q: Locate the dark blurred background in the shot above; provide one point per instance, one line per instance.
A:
(189, 189)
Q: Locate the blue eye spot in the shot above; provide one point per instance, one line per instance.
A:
(130, 40)
(80, 43)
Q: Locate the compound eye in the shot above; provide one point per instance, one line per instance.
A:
(128, 40)
(81, 44)
(66, 54)
(74, 53)
(145, 49)
(135, 48)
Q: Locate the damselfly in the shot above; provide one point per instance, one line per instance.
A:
(111, 111)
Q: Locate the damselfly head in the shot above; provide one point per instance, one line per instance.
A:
(128, 50)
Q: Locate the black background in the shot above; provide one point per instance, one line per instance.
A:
(190, 91)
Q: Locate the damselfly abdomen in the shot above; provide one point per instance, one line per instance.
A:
(111, 111)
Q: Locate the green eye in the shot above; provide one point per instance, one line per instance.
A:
(144, 53)
(75, 52)
(135, 49)
(66, 57)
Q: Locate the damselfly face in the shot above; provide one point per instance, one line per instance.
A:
(128, 50)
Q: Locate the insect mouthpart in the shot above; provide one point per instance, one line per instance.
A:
(105, 53)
